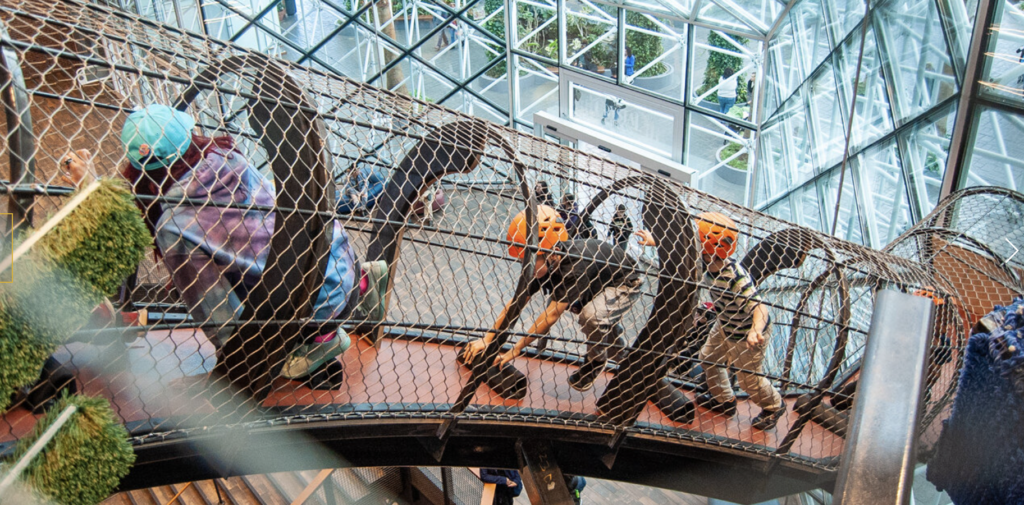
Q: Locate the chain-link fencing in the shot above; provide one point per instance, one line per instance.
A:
(308, 207)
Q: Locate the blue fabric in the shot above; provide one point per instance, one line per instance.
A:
(630, 62)
(361, 191)
(724, 104)
(980, 452)
(498, 477)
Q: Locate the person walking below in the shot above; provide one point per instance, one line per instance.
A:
(507, 484)
(621, 227)
(612, 104)
(727, 90)
(630, 62)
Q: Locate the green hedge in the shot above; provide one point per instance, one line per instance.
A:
(103, 240)
(38, 311)
(86, 459)
(86, 256)
(646, 47)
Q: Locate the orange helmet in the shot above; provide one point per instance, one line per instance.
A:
(929, 292)
(718, 234)
(552, 230)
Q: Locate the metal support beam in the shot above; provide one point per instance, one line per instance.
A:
(878, 459)
(21, 141)
(542, 478)
(958, 142)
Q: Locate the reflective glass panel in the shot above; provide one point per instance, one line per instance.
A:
(959, 24)
(781, 75)
(537, 23)
(658, 48)
(914, 50)
(811, 35)
(720, 152)
(873, 117)
(807, 207)
(732, 17)
(714, 55)
(849, 215)
(829, 126)
(798, 139)
(781, 209)
(625, 120)
(843, 16)
(1003, 76)
(537, 89)
(591, 37)
(926, 146)
(772, 166)
(996, 156)
(352, 52)
(884, 193)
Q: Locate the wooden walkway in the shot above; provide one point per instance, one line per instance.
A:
(374, 485)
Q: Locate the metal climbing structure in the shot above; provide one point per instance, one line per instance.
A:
(72, 72)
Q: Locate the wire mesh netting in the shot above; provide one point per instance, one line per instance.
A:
(969, 244)
(333, 248)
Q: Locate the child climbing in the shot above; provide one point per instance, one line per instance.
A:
(217, 253)
(591, 278)
(738, 338)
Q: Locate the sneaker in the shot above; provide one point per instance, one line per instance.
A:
(767, 419)
(709, 402)
(583, 378)
(373, 284)
(306, 359)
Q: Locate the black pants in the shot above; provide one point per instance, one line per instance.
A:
(503, 496)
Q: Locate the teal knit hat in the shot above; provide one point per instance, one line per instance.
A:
(156, 136)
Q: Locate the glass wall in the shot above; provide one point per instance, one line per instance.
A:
(755, 95)
(703, 57)
(897, 70)
(995, 156)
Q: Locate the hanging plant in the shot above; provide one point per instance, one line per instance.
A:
(38, 312)
(87, 458)
(103, 240)
(85, 257)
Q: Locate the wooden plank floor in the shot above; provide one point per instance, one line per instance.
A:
(266, 490)
(398, 371)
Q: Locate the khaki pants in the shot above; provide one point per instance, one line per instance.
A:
(599, 318)
(725, 351)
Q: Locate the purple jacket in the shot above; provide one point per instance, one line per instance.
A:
(217, 254)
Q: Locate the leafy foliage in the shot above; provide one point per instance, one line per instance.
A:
(83, 258)
(38, 312)
(22, 356)
(645, 47)
(740, 162)
(103, 240)
(86, 459)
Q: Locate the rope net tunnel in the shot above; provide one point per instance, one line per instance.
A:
(338, 208)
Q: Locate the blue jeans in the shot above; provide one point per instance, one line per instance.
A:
(724, 104)
(608, 109)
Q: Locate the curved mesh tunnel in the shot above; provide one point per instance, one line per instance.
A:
(449, 186)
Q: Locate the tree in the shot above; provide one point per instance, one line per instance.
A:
(645, 47)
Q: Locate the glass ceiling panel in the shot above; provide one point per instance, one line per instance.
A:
(714, 14)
